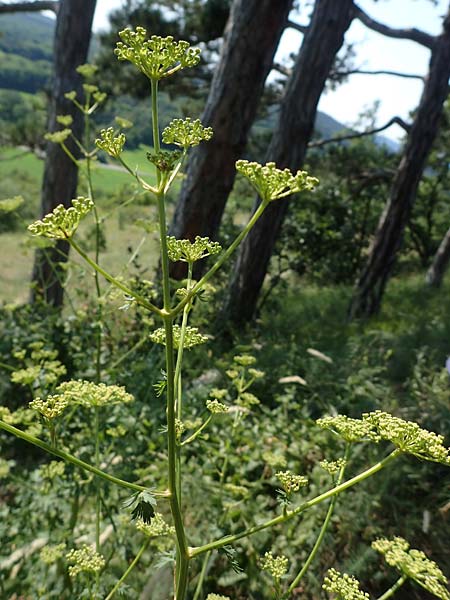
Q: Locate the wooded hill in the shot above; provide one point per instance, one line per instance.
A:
(25, 66)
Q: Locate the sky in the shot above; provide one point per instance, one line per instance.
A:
(397, 96)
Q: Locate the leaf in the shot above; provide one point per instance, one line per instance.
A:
(142, 505)
(11, 204)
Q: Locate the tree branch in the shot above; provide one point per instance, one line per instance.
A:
(28, 6)
(413, 34)
(351, 136)
(377, 72)
(297, 26)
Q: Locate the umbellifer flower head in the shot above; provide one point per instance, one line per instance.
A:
(85, 559)
(190, 252)
(110, 143)
(185, 133)
(414, 564)
(272, 183)
(344, 586)
(156, 57)
(277, 566)
(62, 222)
(192, 337)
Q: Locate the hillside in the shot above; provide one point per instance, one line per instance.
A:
(25, 66)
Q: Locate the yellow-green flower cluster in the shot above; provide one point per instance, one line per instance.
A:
(157, 57)
(344, 586)
(217, 597)
(110, 143)
(62, 222)
(414, 564)
(192, 337)
(58, 137)
(291, 482)
(87, 71)
(55, 468)
(247, 399)
(351, 430)
(50, 408)
(86, 560)
(409, 437)
(244, 360)
(87, 393)
(272, 183)
(156, 528)
(65, 120)
(51, 554)
(186, 133)
(215, 407)
(5, 467)
(187, 251)
(277, 566)
(333, 466)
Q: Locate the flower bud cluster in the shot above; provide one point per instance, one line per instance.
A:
(110, 143)
(217, 597)
(192, 337)
(272, 183)
(290, 482)
(186, 133)
(333, 466)
(277, 566)
(62, 222)
(157, 57)
(344, 586)
(414, 564)
(86, 560)
(58, 137)
(156, 528)
(51, 554)
(190, 252)
(165, 160)
(215, 407)
(51, 407)
(88, 394)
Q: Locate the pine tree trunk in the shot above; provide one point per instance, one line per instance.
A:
(71, 45)
(440, 262)
(322, 41)
(251, 38)
(389, 234)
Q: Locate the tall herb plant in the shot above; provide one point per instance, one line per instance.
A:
(158, 58)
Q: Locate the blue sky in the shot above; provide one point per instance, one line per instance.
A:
(398, 96)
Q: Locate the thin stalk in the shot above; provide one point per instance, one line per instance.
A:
(229, 539)
(132, 565)
(323, 529)
(221, 260)
(140, 299)
(201, 578)
(182, 554)
(196, 433)
(76, 461)
(391, 591)
(177, 376)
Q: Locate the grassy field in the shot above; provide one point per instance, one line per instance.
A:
(120, 205)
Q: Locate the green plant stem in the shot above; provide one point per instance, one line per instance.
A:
(142, 301)
(132, 565)
(197, 432)
(229, 539)
(323, 529)
(221, 260)
(201, 577)
(182, 554)
(391, 591)
(76, 461)
(177, 377)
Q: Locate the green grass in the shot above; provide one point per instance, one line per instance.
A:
(21, 173)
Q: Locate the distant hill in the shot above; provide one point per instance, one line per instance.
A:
(26, 45)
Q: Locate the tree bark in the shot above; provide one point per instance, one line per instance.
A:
(71, 45)
(440, 262)
(252, 35)
(389, 234)
(322, 41)
(29, 6)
